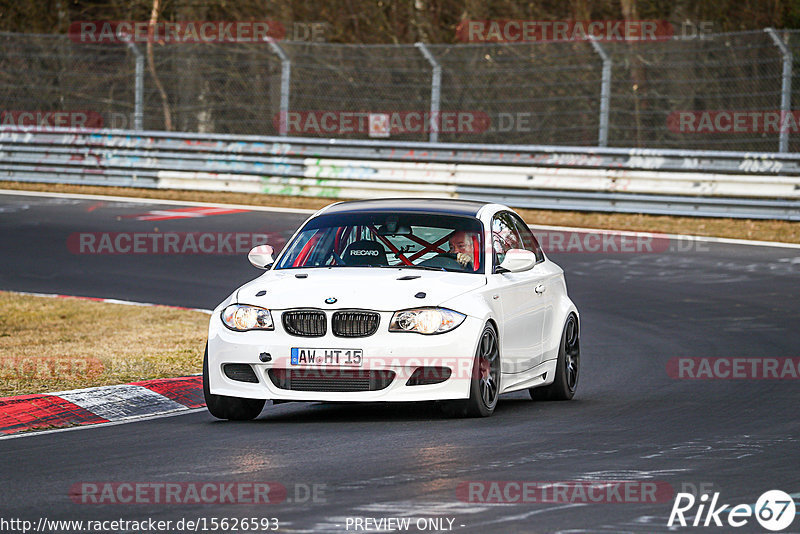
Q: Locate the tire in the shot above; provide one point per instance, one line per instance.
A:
(567, 366)
(485, 381)
(233, 408)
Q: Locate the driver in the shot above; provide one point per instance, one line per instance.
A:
(461, 244)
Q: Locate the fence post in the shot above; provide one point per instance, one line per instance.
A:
(605, 92)
(786, 86)
(436, 89)
(286, 75)
(138, 91)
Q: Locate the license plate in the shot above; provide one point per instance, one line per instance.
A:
(327, 357)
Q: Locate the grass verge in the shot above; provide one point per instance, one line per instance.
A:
(54, 344)
(762, 230)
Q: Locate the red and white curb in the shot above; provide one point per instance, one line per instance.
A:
(183, 213)
(104, 404)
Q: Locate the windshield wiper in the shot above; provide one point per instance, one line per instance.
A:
(426, 267)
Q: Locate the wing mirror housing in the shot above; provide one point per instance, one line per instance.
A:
(261, 256)
(517, 260)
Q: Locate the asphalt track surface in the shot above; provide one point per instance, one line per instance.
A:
(629, 421)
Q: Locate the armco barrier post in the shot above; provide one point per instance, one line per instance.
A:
(138, 97)
(786, 86)
(286, 75)
(436, 89)
(605, 93)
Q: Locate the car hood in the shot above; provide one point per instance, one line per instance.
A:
(353, 287)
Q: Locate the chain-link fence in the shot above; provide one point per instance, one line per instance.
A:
(710, 92)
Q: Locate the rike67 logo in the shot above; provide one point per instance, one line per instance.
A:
(774, 510)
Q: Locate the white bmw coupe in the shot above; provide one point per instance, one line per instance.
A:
(396, 300)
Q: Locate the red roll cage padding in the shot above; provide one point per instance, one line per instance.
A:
(341, 235)
(336, 240)
(301, 258)
(389, 244)
(429, 247)
(476, 253)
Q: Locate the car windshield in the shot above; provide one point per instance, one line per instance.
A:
(381, 239)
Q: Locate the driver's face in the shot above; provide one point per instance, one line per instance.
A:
(460, 242)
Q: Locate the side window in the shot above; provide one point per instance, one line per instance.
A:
(504, 236)
(528, 239)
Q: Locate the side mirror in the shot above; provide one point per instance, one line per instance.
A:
(261, 256)
(517, 260)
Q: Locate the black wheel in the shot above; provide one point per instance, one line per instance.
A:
(233, 408)
(485, 381)
(567, 366)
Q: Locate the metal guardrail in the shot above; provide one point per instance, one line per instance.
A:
(674, 182)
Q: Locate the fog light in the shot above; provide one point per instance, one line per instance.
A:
(241, 372)
(425, 376)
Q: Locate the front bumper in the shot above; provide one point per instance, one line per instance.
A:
(398, 352)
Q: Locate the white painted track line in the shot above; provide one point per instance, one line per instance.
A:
(34, 433)
(706, 239)
(138, 200)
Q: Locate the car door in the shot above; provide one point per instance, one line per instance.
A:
(548, 281)
(523, 308)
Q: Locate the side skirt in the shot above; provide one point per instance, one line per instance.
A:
(541, 375)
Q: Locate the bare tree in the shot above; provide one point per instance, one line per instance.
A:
(152, 65)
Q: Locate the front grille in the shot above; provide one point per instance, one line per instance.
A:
(306, 323)
(325, 380)
(355, 323)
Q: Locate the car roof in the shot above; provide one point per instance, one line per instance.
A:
(445, 206)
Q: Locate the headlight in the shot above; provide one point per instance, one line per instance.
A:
(426, 320)
(241, 317)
